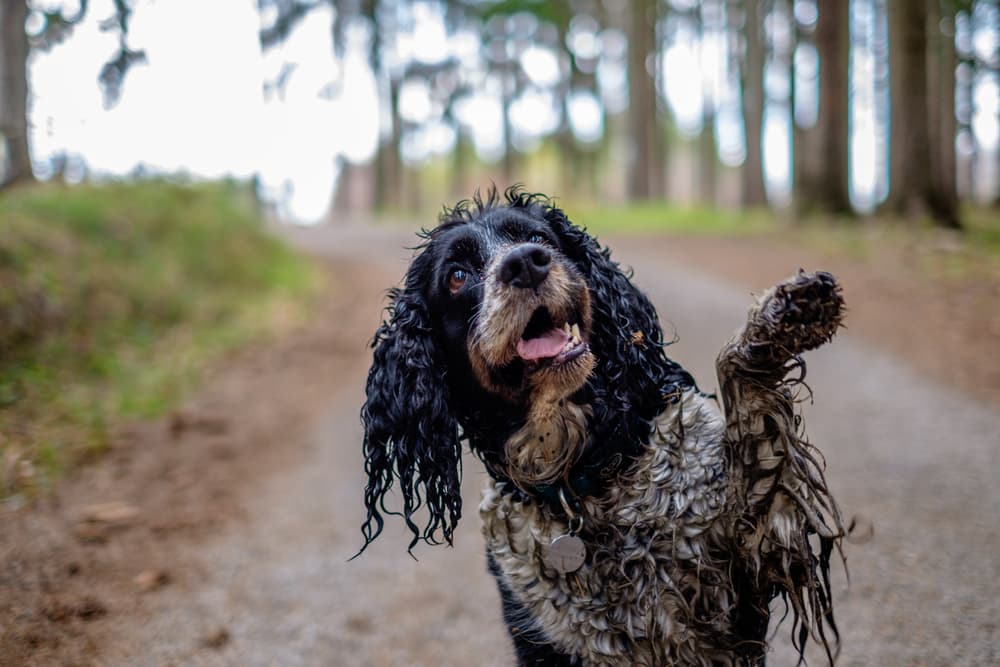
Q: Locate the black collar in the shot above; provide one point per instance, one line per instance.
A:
(588, 478)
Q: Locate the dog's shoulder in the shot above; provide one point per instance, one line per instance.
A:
(680, 479)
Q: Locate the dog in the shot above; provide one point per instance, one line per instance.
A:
(629, 520)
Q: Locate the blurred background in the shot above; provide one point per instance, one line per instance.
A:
(868, 105)
(203, 202)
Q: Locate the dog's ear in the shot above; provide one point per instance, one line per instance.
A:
(636, 378)
(410, 433)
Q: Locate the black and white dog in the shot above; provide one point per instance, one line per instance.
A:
(628, 519)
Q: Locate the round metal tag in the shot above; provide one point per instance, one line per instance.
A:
(566, 554)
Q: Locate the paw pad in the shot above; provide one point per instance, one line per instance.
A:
(803, 312)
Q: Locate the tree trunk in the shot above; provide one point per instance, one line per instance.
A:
(646, 173)
(14, 93)
(825, 185)
(910, 180)
(879, 46)
(753, 104)
(707, 156)
(941, 63)
(707, 149)
(803, 153)
(996, 170)
(569, 153)
(509, 164)
(388, 165)
(459, 165)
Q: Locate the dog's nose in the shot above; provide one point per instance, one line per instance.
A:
(525, 266)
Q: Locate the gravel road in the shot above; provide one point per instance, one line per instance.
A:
(918, 460)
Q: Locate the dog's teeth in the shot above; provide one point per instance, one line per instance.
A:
(575, 331)
(566, 328)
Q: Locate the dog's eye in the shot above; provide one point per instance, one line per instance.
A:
(536, 238)
(456, 279)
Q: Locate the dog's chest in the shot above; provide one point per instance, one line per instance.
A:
(654, 585)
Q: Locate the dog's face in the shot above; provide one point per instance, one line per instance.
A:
(506, 298)
(507, 306)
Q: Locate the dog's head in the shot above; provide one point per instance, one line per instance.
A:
(505, 305)
(510, 305)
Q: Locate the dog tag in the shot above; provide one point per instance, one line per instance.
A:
(566, 554)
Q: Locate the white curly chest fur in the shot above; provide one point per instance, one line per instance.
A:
(656, 565)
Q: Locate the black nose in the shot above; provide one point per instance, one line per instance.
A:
(525, 266)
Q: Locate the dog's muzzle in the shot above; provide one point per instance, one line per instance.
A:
(535, 314)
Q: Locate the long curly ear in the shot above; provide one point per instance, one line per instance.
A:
(637, 378)
(410, 433)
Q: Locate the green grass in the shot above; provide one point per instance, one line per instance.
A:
(983, 230)
(633, 219)
(972, 253)
(113, 299)
(932, 251)
(655, 217)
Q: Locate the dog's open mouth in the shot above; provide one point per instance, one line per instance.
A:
(546, 342)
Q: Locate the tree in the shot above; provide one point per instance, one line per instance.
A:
(824, 176)
(389, 171)
(380, 15)
(647, 154)
(112, 75)
(752, 84)
(708, 17)
(911, 190)
(574, 162)
(577, 72)
(14, 93)
(54, 26)
(502, 54)
(942, 60)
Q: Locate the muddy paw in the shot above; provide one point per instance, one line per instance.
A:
(801, 313)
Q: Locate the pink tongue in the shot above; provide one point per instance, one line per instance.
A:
(545, 346)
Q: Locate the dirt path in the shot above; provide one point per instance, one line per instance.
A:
(248, 510)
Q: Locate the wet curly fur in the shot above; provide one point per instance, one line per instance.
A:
(694, 518)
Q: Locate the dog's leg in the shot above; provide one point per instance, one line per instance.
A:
(793, 317)
(781, 492)
(530, 646)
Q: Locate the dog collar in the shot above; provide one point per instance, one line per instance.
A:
(567, 552)
(577, 486)
(585, 480)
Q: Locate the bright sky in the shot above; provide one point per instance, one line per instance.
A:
(198, 107)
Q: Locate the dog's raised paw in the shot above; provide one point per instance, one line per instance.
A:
(794, 316)
(805, 311)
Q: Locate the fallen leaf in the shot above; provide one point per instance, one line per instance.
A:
(114, 512)
(151, 580)
(217, 639)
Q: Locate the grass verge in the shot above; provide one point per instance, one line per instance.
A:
(928, 249)
(632, 219)
(658, 218)
(113, 299)
(925, 249)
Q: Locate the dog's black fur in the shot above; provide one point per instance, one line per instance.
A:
(424, 397)
(424, 341)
